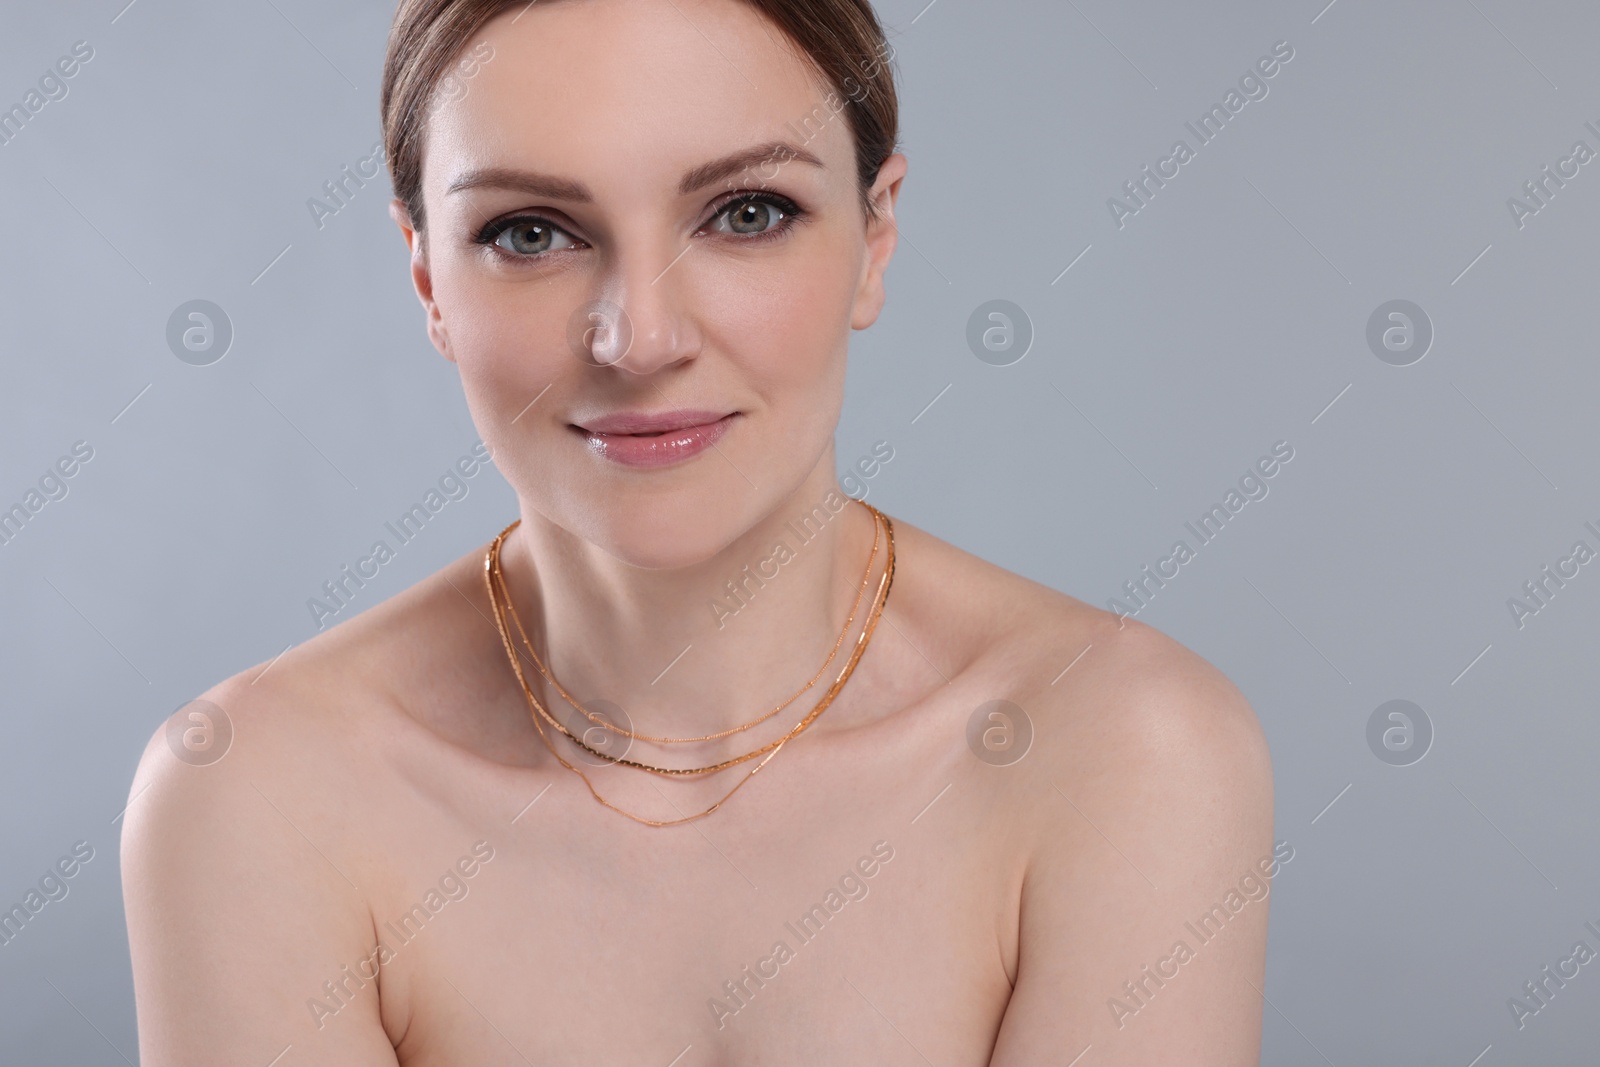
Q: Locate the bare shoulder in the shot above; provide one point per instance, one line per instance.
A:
(271, 722)
(316, 741)
(1140, 696)
(262, 799)
(1086, 668)
(1144, 799)
(264, 762)
(300, 718)
(1119, 709)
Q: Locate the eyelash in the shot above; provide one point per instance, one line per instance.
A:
(792, 214)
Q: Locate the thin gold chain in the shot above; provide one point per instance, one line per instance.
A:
(493, 566)
(545, 672)
(879, 600)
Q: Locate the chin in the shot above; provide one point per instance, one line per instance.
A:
(663, 532)
(668, 528)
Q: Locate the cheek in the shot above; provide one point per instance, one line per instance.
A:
(787, 330)
(785, 335)
(509, 341)
(792, 355)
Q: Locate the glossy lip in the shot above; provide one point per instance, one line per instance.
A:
(653, 439)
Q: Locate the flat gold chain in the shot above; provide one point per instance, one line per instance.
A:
(880, 599)
(545, 672)
(500, 597)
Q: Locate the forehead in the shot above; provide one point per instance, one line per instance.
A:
(623, 93)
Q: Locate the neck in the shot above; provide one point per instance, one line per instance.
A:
(699, 649)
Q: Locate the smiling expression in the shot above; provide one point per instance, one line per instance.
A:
(646, 266)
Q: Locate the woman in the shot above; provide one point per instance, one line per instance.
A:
(643, 231)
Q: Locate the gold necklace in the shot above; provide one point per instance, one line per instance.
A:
(491, 568)
(544, 671)
(502, 600)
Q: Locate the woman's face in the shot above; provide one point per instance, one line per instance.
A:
(610, 234)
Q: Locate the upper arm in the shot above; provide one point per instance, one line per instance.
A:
(1155, 807)
(236, 914)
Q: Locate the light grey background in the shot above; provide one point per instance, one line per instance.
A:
(1226, 315)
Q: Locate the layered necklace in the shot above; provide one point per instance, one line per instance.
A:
(500, 601)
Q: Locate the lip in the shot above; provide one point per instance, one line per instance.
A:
(653, 439)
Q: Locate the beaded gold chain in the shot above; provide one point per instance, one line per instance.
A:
(500, 602)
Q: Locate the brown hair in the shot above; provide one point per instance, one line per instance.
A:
(842, 38)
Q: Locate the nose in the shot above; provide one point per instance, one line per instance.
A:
(643, 323)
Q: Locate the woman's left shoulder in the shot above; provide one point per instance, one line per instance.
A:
(1094, 681)
(1128, 786)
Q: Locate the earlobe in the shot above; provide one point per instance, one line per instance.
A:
(423, 280)
(870, 298)
(440, 339)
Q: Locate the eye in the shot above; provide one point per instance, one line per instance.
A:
(525, 236)
(756, 215)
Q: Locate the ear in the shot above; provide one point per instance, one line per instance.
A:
(421, 277)
(882, 236)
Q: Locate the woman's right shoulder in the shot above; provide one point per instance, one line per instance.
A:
(253, 737)
(303, 721)
(244, 868)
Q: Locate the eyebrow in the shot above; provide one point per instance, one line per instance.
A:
(557, 188)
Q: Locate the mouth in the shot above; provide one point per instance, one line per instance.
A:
(653, 439)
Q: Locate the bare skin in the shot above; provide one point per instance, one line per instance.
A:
(981, 913)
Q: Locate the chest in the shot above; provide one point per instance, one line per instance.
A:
(838, 909)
